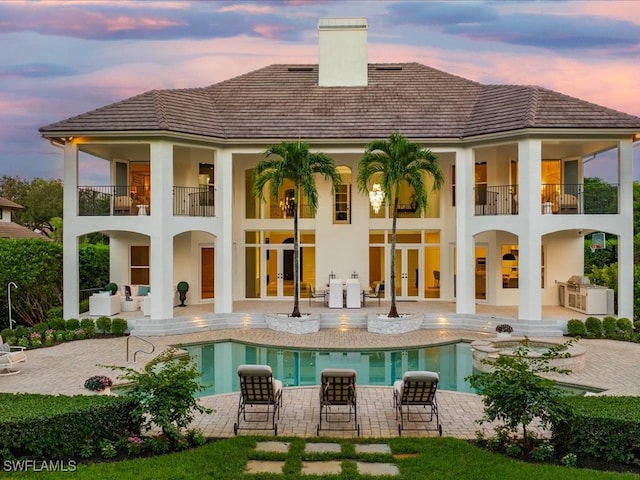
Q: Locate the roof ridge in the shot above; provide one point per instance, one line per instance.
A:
(532, 106)
(161, 114)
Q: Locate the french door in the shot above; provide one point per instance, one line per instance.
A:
(408, 279)
(278, 261)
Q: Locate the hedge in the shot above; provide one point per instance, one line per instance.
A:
(54, 427)
(601, 427)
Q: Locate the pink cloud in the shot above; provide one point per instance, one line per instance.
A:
(247, 8)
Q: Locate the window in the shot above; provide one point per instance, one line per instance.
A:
(510, 266)
(140, 265)
(206, 183)
(342, 197)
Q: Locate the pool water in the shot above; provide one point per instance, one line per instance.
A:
(219, 362)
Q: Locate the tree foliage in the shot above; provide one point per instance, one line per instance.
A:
(391, 163)
(42, 200)
(94, 265)
(297, 164)
(165, 390)
(35, 266)
(515, 393)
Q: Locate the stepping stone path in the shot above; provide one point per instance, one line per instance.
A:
(326, 466)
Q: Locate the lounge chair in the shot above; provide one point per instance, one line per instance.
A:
(260, 396)
(338, 389)
(10, 357)
(416, 389)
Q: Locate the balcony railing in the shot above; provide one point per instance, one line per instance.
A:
(558, 198)
(194, 201)
(107, 200)
(117, 200)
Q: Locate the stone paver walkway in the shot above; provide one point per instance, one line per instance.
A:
(64, 368)
(324, 467)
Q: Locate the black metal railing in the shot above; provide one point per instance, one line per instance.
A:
(194, 201)
(591, 197)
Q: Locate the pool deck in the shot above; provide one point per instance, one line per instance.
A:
(62, 369)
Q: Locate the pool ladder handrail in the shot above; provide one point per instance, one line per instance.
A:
(153, 347)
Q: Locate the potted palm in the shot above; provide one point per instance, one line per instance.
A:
(183, 288)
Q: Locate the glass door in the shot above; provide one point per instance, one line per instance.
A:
(408, 280)
(279, 271)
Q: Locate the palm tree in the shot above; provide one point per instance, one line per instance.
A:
(299, 166)
(392, 162)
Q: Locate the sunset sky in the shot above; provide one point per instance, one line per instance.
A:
(61, 58)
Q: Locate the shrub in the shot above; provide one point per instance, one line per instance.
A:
(7, 333)
(609, 326)
(593, 326)
(54, 313)
(63, 423)
(636, 325)
(601, 427)
(72, 324)
(89, 326)
(514, 392)
(104, 324)
(57, 323)
(119, 326)
(576, 328)
(624, 325)
(166, 395)
(40, 327)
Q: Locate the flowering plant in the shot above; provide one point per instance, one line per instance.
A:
(97, 383)
(504, 328)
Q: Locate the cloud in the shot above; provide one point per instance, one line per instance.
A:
(493, 22)
(36, 70)
(148, 20)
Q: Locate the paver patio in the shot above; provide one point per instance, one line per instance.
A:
(62, 369)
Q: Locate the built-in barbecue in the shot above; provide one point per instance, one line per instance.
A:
(577, 293)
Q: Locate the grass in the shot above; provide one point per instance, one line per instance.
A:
(432, 458)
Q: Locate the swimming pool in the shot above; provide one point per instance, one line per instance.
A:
(218, 363)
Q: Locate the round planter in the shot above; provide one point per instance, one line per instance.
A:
(281, 322)
(503, 334)
(401, 324)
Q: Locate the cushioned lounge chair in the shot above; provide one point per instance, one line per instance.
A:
(414, 398)
(338, 398)
(260, 397)
(10, 357)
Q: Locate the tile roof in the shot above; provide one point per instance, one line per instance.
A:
(6, 203)
(13, 230)
(284, 101)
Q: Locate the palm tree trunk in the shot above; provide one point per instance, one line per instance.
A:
(393, 311)
(296, 260)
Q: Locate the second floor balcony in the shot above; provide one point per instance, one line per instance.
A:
(588, 198)
(123, 200)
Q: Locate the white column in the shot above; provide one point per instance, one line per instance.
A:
(70, 261)
(161, 245)
(529, 240)
(465, 276)
(625, 239)
(224, 242)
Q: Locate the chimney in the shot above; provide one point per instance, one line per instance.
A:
(343, 52)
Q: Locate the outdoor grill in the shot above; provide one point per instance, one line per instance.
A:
(577, 293)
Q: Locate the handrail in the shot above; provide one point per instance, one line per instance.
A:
(153, 347)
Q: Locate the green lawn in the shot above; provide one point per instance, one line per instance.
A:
(436, 458)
